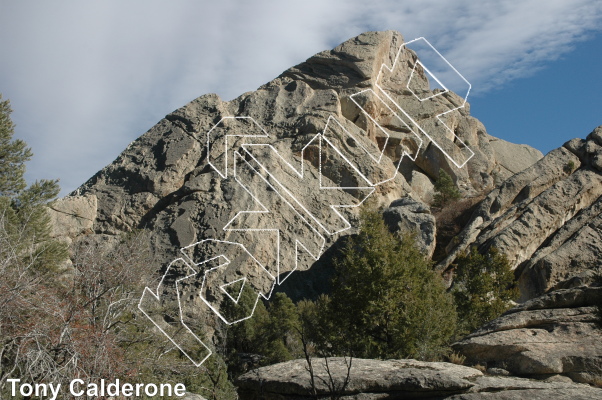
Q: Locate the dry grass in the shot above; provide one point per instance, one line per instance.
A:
(451, 219)
(456, 358)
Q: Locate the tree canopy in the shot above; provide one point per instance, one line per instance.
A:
(483, 287)
(445, 190)
(386, 300)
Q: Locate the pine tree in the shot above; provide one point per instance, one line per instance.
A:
(13, 154)
(24, 221)
(483, 288)
(387, 302)
(445, 190)
(29, 257)
(272, 333)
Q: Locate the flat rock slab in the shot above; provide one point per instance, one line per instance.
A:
(398, 379)
(490, 387)
(557, 333)
(413, 379)
(535, 394)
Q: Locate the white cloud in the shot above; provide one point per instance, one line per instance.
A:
(86, 78)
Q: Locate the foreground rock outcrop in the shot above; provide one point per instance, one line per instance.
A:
(559, 333)
(395, 379)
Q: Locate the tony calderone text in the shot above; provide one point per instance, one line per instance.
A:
(78, 387)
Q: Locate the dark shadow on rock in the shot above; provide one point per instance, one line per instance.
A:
(310, 284)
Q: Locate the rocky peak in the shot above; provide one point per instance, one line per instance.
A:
(163, 180)
(332, 131)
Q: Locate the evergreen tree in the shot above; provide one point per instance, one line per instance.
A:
(386, 301)
(24, 222)
(13, 154)
(281, 334)
(483, 288)
(445, 190)
(28, 256)
(272, 333)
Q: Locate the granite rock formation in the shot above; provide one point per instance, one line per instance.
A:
(396, 379)
(547, 219)
(164, 180)
(544, 214)
(555, 334)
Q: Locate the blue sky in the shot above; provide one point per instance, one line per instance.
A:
(87, 78)
(561, 101)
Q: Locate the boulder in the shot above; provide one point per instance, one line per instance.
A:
(512, 388)
(366, 379)
(555, 334)
(396, 379)
(421, 184)
(546, 219)
(411, 216)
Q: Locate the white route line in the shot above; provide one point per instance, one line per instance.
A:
(301, 174)
(223, 288)
(148, 291)
(377, 84)
(203, 285)
(210, 142)
(266, 211)
(283, 190)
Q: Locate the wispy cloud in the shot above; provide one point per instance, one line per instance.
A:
(492, 42)
(86, 78)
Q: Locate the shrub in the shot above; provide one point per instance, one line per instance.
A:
(270, 336)
(456, 358)
(569, 167)
(387, 302)
(445, 190)
(483, 288)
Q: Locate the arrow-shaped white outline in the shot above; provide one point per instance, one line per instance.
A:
(377, 84)
(321, 137)
(265, 296)
(147, 290)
